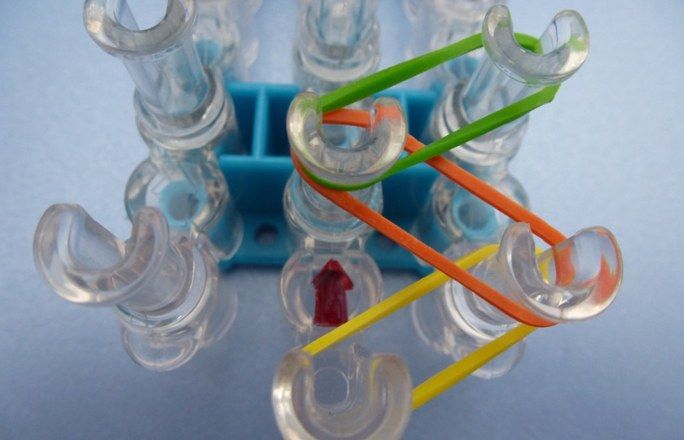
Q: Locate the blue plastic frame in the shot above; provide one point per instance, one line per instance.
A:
(257, 179)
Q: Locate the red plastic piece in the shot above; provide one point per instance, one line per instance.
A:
(331, 285)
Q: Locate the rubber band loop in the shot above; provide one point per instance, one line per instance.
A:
(391, 76)
(459, 370)
(392, 231)
(477, 187)
(331, 103)
(450, 376)
(403, 238)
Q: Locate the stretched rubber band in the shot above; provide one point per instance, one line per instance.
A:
(392, 231)
(365, 87)
(490, 195)
(471, 183)
(395, 302)
(458, 371)
(395, 233)
(445, 379)
(391, 76)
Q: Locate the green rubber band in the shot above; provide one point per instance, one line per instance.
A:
(455, 139)
(394, 75)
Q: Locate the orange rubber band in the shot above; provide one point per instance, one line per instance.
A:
(489, 194)
(395, 233)
(348, 116)
(480, 189)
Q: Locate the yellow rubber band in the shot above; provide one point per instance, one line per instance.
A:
(451, 375)
(395, 302)
(458, 371)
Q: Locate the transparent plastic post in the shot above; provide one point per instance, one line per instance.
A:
(297, 292)
(437, 23)
(163, 285)
(322, 231)
(337, 42)
(575, 280)
(507, 74)
(225, 37)
(376, 150)
(345, 392)
(183, 114)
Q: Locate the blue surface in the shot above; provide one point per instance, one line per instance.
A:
(607, 151)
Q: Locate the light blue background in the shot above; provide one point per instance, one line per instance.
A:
(607, 151)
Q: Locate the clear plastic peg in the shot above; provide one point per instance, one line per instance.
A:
(337, 42)
(349, 393)
(224, 35)
(507, 74)
(574, 280)
(345, 392)
(183, 113)
(162, 285)
(321, 230)
(437, 23)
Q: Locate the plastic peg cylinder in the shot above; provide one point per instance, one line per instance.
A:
(163, 285)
